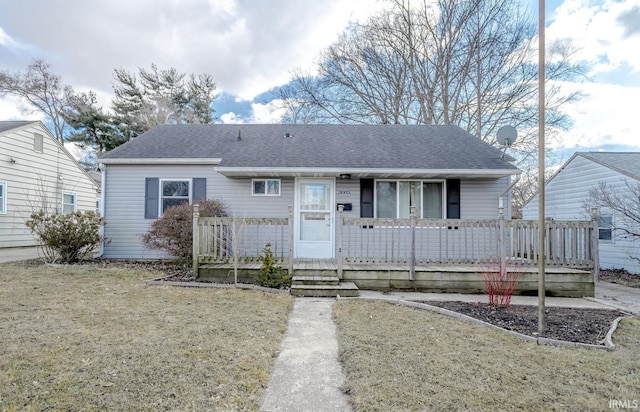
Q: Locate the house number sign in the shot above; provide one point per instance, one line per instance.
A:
(344, 192)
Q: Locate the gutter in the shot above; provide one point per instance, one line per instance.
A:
(500, 198)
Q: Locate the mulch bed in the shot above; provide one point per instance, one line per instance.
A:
(619, 276)
(567, 324)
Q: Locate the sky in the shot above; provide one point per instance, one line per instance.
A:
(251, 47)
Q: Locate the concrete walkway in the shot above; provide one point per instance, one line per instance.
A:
(618, 296)
(307, 375)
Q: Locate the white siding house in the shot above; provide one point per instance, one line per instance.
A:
(567, 198)
(261, 170)
(36, 172)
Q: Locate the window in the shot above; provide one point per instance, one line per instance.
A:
(174, 193)
(69, 202)
(37, 142)
(605, 227)
(3, 198)
(394, 198)
(266, 187)
(97, 207)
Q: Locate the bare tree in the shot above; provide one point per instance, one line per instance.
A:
(624, 203)
(469, 63)
(39, 90)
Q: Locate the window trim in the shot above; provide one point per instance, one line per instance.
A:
(75, 201)
(3, 199)
(266, 185)
(422, 181)
(161, 196)
(38, 143)
(609, 228)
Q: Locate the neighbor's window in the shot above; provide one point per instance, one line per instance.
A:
(3, 198)
(69, 202)
(174, 193)
(394, 198)
(37, 142)
(266, 187)
(605, 227)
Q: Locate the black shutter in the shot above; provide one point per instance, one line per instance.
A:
(366, 197)
(199, 188)
(151, 197)
(453, 198)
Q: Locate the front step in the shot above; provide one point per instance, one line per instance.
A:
(315, 280)
(345, 289)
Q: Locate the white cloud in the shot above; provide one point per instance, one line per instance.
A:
(260, 113)
(606, 116)
(606, 32)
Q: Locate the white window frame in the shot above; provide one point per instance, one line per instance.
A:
(266, 186)
(422, 181)
(161, 197)
(75, 201)
(610, 227)
(3, 199)
(38, 143)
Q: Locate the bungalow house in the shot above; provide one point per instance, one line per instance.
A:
(401, 199)
(259, 170)
(567, 198)
(37, 172)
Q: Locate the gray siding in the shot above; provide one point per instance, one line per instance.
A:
(479, 198)
(125, 187)
(36, 180)
(567, 199)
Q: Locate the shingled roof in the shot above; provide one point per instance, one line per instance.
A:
(6, 125)
(345, 147)
(627, 163)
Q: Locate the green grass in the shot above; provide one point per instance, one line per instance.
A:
(401, 359)
(91, 338)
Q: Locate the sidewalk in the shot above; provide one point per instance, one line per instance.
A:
(307, 375)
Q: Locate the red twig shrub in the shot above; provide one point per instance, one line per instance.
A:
(173, 231)
(499, 283)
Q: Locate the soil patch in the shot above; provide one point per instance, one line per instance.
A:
(619, 276)
(568, 324)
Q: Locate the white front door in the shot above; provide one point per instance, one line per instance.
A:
(314, 218)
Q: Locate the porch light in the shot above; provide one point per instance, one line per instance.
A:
(594, 211)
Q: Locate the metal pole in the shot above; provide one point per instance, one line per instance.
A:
(541, 215)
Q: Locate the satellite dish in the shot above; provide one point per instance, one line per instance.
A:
(507, 135)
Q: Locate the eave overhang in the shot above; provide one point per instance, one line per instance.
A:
(365, 173)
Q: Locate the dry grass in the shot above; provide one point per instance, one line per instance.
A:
(402, 359)
(86, 338)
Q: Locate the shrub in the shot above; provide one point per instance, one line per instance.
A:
(499, 284)
(271, 275)
(66, 238)
(173, 231)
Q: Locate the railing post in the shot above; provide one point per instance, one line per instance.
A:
(340, 226)
(595, 247)
(412, 263)
(290, 225)
(196, 240)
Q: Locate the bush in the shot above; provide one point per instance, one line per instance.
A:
(271, 275)
(173, 231)
(499, 284)
(66, 238)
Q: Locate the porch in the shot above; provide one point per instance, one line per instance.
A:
(435, 255)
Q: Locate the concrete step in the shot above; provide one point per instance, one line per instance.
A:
(315, 280)
(345, 289)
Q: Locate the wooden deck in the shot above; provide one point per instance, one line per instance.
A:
(559, 281)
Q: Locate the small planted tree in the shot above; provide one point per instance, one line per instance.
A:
(173, 231)
(271, 275)
(499, 284)
(66, 238)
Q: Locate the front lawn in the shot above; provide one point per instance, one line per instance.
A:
(90, 338)
(401, 359)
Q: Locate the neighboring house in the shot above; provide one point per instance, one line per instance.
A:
(260, 170)
(567, 198)
(36, 172)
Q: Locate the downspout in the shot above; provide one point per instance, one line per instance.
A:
(103, 187)
(500, 198)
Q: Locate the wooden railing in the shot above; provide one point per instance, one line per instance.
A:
(408, 242)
